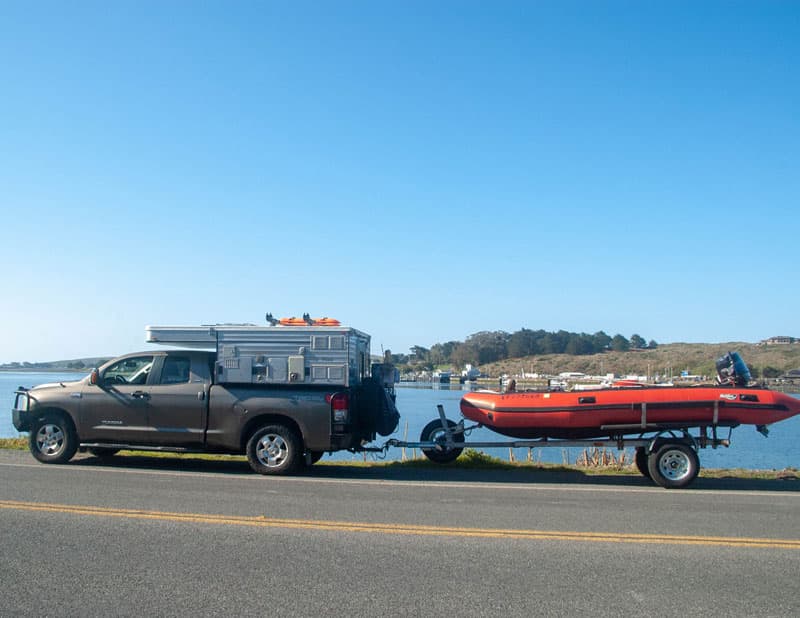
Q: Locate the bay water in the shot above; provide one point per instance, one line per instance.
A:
(417, 404)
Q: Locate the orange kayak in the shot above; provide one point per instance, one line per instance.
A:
(309, 322)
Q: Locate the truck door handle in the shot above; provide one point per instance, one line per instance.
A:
(140, 395)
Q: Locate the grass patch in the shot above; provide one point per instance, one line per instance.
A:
(167, 455)
(787, 474)
(14, 444)
(475, 459)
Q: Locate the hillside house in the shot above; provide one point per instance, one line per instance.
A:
(778, 341)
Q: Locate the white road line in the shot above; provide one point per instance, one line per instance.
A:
(522, 486)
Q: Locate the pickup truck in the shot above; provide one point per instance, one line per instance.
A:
(170, 401)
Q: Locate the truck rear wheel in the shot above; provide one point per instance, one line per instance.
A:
(53, 439)
(274, 449)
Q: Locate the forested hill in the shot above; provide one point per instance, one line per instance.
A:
(539, 351)
(492, 346)
(77, 364)
(667, 359)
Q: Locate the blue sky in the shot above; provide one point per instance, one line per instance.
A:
(420, 170)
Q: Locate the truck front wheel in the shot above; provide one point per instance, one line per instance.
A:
(53, 439)
(274, 449)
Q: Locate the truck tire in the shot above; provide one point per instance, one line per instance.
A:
(673, 465)
(274, 449)
(53, 439)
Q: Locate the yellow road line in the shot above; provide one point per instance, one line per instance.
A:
(398, 528)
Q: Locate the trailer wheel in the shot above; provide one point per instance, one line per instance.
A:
(434, 432)
(274, 449)
(641, 461)
(673, 465)
(53, 439)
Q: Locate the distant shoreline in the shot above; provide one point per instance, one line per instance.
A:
(665, 362)
(43, 370)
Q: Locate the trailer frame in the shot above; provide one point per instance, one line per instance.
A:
(666, 453)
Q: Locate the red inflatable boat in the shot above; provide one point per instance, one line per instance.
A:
(625, 411)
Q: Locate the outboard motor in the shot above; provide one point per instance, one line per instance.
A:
(732, 370)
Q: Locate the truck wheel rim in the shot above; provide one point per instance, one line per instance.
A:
(272, 450)
(674, 465)
(50, 439)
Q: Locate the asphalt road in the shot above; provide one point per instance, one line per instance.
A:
(159, 537)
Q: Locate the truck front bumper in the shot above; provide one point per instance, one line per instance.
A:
(21, 415)
(21, 420)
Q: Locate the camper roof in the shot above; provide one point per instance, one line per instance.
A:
(206, 336)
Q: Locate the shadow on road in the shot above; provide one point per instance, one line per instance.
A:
(434, 473)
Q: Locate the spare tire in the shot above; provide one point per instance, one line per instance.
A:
(375, 409)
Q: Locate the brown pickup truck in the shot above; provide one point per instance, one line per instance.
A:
(170, 401)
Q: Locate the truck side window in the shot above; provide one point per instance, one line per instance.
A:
(129, 371)
(175, 370)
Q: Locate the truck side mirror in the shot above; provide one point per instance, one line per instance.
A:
(94, 377)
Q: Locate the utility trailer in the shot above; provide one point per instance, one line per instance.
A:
(665, 453)
(657, 421)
